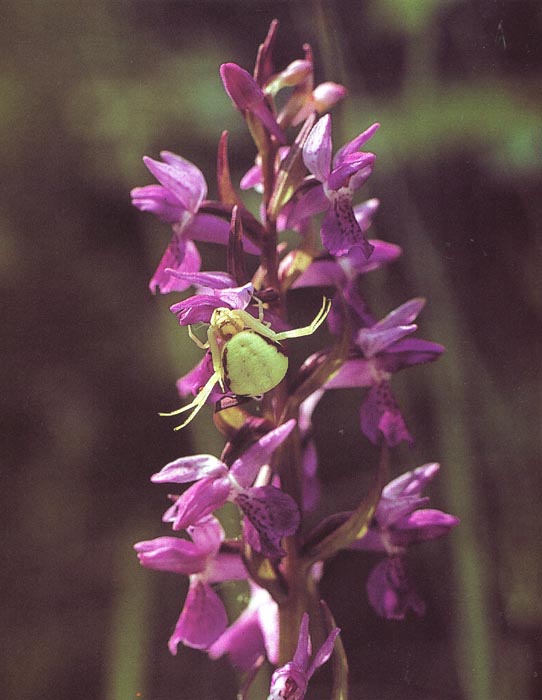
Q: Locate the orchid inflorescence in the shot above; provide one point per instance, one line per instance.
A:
(263, 406)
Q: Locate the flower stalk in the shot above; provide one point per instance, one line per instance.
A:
(263, 406)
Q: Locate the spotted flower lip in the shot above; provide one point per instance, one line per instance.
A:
(333, 186)
(271, 512)
(391, 591)
(400, 521)
(329, 270)
(203, 618)
(289, 682)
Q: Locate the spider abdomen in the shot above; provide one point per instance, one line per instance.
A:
(252, 364)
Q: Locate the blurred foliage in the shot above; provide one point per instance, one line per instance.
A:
(89, 358)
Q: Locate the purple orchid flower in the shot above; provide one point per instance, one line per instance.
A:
(271, 512)
(400, 521)
(379, 350)
(290, 682)
(255, 633)
(340, 271)
(177, 201)
(203, 618)
(331, 189)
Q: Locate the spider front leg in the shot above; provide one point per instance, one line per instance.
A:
(261, 311)
(197, 404)
(195, 339)
(259, 327)
(311, 328)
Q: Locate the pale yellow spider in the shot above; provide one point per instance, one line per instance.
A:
(248, 359)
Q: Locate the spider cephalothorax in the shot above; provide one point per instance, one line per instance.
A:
(247, 355)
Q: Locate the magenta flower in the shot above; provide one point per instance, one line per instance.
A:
(331, 189)
(379, 350)
(327, 270)
(272, 513)
(255, 633)
(390, 590)
(177, 201)
(289, 682)
(203, 618)
(400, 520)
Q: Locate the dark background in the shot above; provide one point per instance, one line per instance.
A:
(89, 357)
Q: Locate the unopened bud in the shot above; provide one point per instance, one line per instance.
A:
(292, 75)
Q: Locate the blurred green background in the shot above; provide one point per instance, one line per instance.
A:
(89, 357)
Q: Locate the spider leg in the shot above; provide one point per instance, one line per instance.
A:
(216, 356)
(306, 330)
(255, 325)
(196, 405)
(194, 337)
(260, 312)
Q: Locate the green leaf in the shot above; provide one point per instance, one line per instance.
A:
(357, 524)
(339, 661)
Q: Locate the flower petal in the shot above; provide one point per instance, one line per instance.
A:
(192, 382)
(191, 176)
(159, 201)
(201, 499)
(355, 144)
(213, 280)
(182, 178)
(207, 534)
(353, 373)
(211, 229)
(359, 165)
(390, 590)
(303, 649)
(273, 513)
(317, 149)
(226, 567)
(422, 525)
(246, 95)
(243, 642)
(180, 255)
(412, 483)
(408, 352)
(245, 469)
(403, 315)
(374, 340)
(312, 201)
(202, 620)
(325, 651)
(380, 415)
(340, 230)
(171, 554)
(185, 469)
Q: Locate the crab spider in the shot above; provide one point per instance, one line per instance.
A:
(247, 357)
